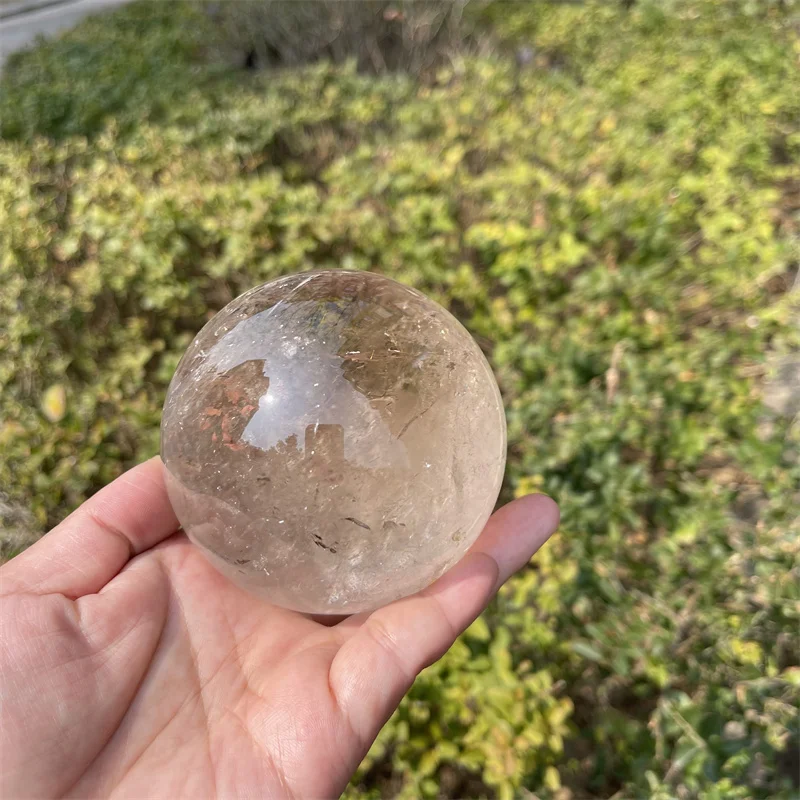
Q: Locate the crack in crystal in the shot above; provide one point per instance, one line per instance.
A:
(414, 419)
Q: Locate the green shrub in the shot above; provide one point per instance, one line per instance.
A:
(131, 65)
(613, 217)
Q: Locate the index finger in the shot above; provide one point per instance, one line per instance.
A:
(84, 552)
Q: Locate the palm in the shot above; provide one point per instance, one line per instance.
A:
(168, 681)
(221, 674)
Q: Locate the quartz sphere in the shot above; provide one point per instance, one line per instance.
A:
(333, 441)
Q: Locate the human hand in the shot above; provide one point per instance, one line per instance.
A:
(131, 668)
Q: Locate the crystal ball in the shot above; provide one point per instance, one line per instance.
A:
(333, 441)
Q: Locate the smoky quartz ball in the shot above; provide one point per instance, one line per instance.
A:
(333, 441)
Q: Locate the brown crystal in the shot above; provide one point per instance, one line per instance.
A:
(333, 441)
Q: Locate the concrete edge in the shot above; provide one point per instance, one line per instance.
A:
(28, 7)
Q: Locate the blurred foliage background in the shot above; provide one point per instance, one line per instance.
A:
(606, 194)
